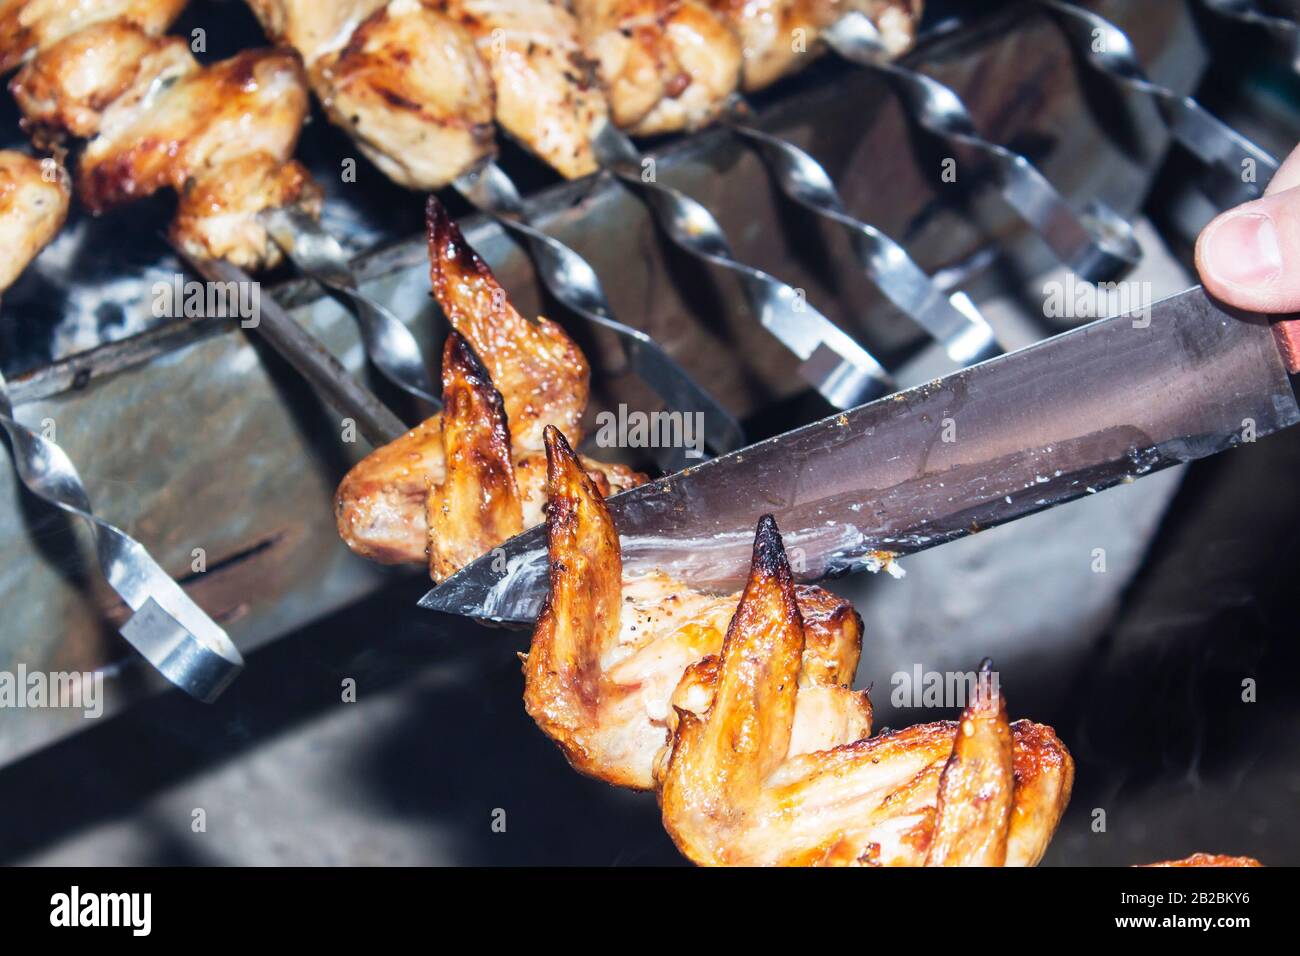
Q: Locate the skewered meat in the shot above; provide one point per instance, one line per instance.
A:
(666, 64)
(221, 135)
(607, 653)
(779, 36)
(759, 749)
(547, 96)
(419, 83)
(979, 791)
(383, 504)
(27, 26)
(404, 79)
(33, 205)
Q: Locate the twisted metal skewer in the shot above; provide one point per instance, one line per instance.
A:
(309, 358)
(1108, 50)
(169, 630)
(389, 344)
(573, 281)
(1095, 242)
(952, 320)
(839, 368)
(1284, 29)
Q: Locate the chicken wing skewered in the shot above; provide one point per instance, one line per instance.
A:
(978, 791)
(153, 117)
(608, 653)
(759, 749)
(384, 503)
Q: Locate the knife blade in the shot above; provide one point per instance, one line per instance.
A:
(1069, 416)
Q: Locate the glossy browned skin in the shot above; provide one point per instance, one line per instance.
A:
(217, 213)
(33, 206)
(409, 86)
(973, 810)
(476, 506)
(254, 102)
(607, 654)
(27, 26)
(1208, 860)
(731, 796)
(382, 503)
(154, 118)
(666, 65)
(539, 370)
(780, 37)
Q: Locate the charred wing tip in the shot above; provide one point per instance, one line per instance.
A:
(459, 357)
(769, 550)
(987, 698)
(562, 466)
(446, 242)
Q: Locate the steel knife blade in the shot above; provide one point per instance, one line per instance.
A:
(1069, 416)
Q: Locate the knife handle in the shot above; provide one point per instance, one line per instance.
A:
(1287, 335)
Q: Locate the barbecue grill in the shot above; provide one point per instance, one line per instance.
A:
(804, 255)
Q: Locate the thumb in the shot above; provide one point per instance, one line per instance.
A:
(1249, 257)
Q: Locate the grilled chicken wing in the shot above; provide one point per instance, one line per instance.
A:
(476, 506)
(666, 64)
(607, 654)
(221, 135)
(33, 205)
(979, 791)
(780, 36)
(402, 77)
(528, 375)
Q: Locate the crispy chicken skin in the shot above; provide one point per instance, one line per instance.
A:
(27, 26)
(731, 793)
(402, 77)
(93, 77)
(154, 118)
(779, 37)
(530, 373)
(547, 96)
(255, 102)
(476, 506)
(607, 653)
(217, 215)
(666, 64)
(539, 370)
(33, 206)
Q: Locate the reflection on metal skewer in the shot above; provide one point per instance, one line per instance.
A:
(1285, 30)
(389, 344)
(1097, 243)
(839, 368)
(169, 630)
(953, 321)
(323, 372)
(1108, 50)
(572, 281)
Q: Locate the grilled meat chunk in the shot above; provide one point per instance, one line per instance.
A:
(27, 26)
(402, 77)
(33, 205)
(155, 118)
(779, 37)
(666, 64)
